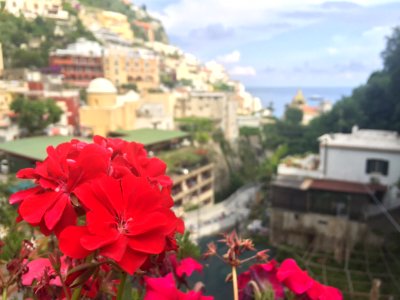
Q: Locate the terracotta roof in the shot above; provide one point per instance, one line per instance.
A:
(310, 109)
(344, 186)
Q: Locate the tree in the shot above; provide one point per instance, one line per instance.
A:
(293, 115)
(36, 115)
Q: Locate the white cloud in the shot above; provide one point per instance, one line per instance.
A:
(332, 50)
(377, 33)
(229, 58)
(243, 71)
(182, 16)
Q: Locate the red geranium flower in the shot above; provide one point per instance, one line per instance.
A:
(132, 158)
(164, 289)
(290, 274)
(127, 221)
(50, 204)
(319, 291)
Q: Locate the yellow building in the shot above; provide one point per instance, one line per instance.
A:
(105, 111)
(96, 19)
(123, 65)
(5, 99)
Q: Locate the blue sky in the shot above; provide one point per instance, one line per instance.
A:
(283, 42)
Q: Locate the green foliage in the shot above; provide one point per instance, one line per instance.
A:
(195, 124)
(249, 131)
(222, 87)
(182, 158)
(129, 86)
(286, 132)
(186, 247)
(293, 116)
(117, 6)
(17, 34)
(186, 82)
(202, 137)
(35, 115)
(17, 232)
(167, 80)
(269, 166)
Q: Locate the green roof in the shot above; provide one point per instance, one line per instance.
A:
(35, 147)
(148, 136)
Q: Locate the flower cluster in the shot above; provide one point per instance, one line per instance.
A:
(107, 207)
(122, 195)
(273, 278)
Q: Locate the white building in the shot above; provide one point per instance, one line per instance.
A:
(363, 156)
(81, 47)
(328, 200)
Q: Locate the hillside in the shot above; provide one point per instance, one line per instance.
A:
(27, 43)
(134, 13)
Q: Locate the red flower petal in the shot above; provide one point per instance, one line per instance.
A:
(131, 261)
(70, 244)
(53, 214)
(33, 208)
(22, 195)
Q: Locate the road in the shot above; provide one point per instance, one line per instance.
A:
(218, 217)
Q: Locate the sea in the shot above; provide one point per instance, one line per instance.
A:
(280, 96)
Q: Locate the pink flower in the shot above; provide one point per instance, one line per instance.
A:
(164, 289)
(42, 271)
(297, 280)
(187, 266)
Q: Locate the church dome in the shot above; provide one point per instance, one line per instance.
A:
(101, 86)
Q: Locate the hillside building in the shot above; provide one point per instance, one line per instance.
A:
(139, 66)
(105, 112)
(326, 200)
(79, 63)
(31, 9)
(220, 107)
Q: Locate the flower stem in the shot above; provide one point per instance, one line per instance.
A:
(235, 284)
(121, 287)
(4, 297)
(77, 293)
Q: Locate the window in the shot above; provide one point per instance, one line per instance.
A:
(377, 166)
